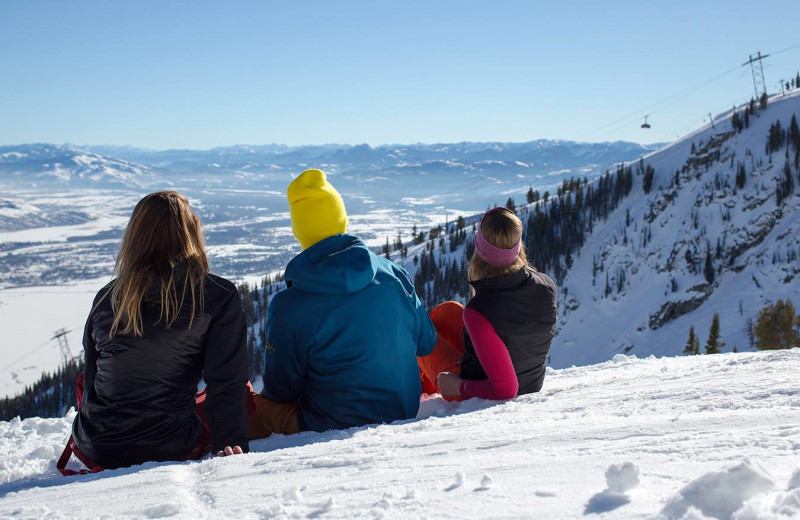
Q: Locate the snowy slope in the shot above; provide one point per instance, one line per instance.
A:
(656, 295)
(662, 295)
(691, 437)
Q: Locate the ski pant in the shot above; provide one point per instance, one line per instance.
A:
(448, 319)
(271, 417)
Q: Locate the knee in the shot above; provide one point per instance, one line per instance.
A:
(447, 311)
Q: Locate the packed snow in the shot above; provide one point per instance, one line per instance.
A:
(700, 437)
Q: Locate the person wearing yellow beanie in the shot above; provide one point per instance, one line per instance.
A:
(316, 207)
(344, 336)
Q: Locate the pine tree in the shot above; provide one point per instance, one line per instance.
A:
(708, 270)
(692, 347)
(741, 176)
(713, 344)
(510, 205)
(736, 122)
(529, 195)
(777, 327)
(647, 181)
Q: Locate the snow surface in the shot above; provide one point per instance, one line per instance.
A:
(29, 317)
(672, 438)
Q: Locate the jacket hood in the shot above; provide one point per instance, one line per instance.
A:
(340, 264)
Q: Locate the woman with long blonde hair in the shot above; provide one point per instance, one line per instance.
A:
(496, 347)
(159, 327)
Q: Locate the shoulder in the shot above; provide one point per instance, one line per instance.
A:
(542, 282)
(393, 270)
(217, 287)
(286, 299)
(103, 296)
(219, 293)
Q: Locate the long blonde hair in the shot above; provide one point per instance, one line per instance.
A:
(162, 231)
(502, 229)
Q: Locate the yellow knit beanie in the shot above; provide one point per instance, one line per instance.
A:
(316, 207)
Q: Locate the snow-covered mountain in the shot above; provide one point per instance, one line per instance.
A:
(542, 155)
(640, 279)
(653, 248)
(48, 166)
(691, 438)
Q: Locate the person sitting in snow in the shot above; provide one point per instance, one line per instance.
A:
(153, 332)
(344, 335)
(496, 347)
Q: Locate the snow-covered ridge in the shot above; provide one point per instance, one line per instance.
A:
(46, 165)
(671, 438)
(653, 249)
(639, 282)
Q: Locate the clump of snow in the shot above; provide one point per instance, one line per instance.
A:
(621, 478)
(794, 482)
(719, 494)
(621, 359)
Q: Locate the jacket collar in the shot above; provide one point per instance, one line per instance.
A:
(178, 273)
(502, 282)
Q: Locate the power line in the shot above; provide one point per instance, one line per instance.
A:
(27, 355)
(660, 105)
(670, 100)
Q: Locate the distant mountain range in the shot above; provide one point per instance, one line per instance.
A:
(35, 165)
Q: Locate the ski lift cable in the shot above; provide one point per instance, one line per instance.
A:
(785, 50)
(26, 355)
(660, 105)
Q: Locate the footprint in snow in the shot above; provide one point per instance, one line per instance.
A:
(326, 507)
(163, 510)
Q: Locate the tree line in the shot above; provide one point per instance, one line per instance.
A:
(777, 327)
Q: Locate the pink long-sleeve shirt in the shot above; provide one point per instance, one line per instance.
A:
(502, 380)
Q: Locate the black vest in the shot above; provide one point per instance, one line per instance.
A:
(522, 308)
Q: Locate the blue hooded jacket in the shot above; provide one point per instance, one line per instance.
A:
(344, 337)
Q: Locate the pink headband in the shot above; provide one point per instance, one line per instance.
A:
(492, 254)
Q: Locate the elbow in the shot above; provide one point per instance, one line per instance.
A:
(508, 391)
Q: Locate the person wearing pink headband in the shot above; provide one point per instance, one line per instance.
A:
(497, 346)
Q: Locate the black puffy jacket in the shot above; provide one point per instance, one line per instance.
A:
(139, 392)
(522, 308)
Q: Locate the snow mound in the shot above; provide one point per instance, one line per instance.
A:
(720, 494)
(621, 478)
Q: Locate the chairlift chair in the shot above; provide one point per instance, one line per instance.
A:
(645, 124)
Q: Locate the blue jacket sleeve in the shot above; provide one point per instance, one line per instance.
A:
(426, 339)
(426, 332)
(285, 357)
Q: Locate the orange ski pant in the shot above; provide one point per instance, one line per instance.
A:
(448, 319)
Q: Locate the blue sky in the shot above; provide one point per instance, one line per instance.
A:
(198, 74)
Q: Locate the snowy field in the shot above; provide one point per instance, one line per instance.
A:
(691, 437)
(29, 317)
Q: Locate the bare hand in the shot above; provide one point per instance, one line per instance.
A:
(236, 450)
(449, 383)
